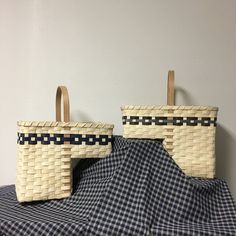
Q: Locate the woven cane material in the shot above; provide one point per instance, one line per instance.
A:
(160, 110)
(45, 149)
(188, 133)
(44, 170)
(92, 125)
(82, 140)
(42, 173)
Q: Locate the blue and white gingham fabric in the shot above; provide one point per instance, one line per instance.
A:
(137, 190)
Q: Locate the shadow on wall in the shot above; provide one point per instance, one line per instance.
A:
(186, 97)
(224, 143)
(80, 116)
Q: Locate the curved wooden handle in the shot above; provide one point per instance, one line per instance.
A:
(62, 91)
(171, 88)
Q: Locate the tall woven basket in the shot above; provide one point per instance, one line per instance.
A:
(188, 131)
(45, 150)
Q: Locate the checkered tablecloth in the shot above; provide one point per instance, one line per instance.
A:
(137, 190)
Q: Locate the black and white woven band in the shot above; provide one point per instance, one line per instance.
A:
(178, 121)
(60, 139)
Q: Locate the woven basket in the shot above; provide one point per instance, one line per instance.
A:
(188, 131)
(45, 150)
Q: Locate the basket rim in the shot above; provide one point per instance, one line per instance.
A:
(65, 124)
(166, 107)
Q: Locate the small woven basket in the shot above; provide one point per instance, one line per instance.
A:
(45, 150)
(188, 131)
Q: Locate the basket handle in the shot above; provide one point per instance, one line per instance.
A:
(62, 91)
(171, 88)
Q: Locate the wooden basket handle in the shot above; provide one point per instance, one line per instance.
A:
(62, 91)
(171, 88)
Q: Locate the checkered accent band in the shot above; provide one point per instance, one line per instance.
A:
(60, 139)
(178, 121)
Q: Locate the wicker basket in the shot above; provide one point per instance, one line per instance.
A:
(45, 150)
(188, 131)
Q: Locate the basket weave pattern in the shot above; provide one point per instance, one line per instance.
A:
(42, 165)
(188, 133)
(45, 149)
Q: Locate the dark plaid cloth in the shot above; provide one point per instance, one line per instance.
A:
(137, 190)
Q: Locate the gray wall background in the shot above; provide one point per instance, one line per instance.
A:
(115, 52)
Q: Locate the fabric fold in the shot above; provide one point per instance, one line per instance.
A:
(137, 190)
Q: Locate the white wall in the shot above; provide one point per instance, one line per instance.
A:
(114, 52)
